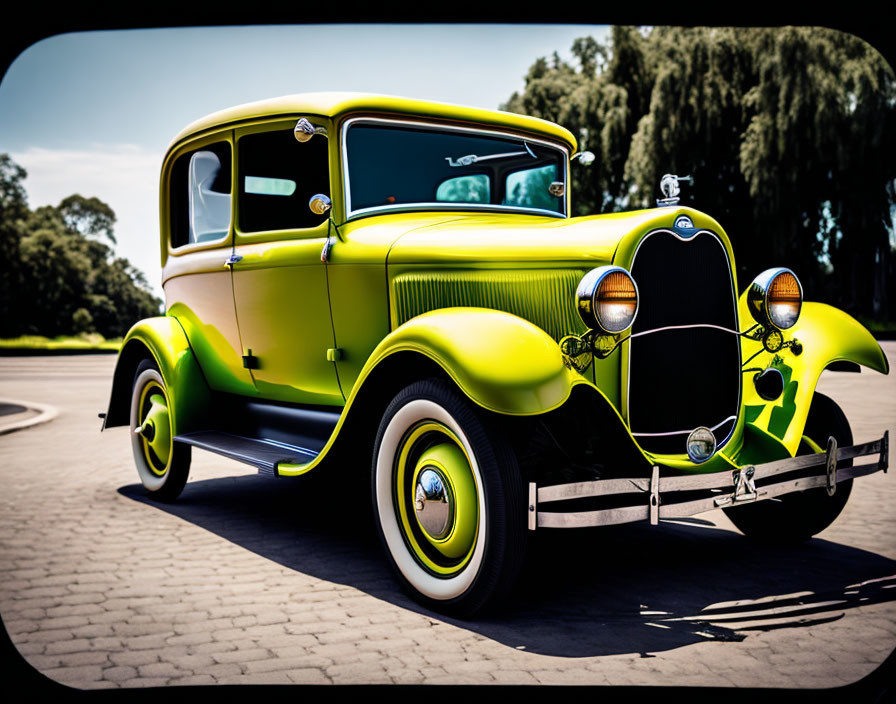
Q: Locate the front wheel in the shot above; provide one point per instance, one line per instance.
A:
(448, 499)
(162, 464)
(799, 516)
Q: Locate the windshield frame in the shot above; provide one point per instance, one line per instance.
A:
(441, 205)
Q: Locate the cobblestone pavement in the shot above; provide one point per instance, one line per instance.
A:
(246, 579)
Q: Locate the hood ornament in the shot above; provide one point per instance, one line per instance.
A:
(670, 188)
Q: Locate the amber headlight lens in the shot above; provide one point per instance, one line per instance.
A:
(775, 298)
(784, 300)
(608, 299)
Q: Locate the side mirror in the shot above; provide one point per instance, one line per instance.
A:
(319, 204)
(304, 130)
(584, 158)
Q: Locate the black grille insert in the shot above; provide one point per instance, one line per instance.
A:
(683, 377)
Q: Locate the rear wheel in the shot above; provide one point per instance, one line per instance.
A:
(448, 499)
(799, 516)
(162, 464)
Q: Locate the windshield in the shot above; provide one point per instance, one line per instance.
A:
(394, 165)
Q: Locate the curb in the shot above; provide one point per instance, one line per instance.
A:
(53, 352)
(47, 413)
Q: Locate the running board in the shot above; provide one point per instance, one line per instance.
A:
(260, 453)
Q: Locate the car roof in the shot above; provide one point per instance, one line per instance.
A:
(338, 103)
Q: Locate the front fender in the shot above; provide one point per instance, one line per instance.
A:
(502, 362)
(163, 340)
(827, 335)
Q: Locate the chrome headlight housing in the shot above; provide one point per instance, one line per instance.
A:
(607, 299)
(775, 298)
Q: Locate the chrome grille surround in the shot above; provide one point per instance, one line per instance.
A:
(686, 332)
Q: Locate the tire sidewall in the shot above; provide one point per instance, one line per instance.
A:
(487, 573)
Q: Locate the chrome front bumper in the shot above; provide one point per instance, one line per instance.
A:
(722, 488)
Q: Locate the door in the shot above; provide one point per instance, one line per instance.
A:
(196, 278)
(279, 280)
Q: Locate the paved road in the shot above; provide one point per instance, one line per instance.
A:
(247, 579)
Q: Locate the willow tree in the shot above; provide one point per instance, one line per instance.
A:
(787, 133)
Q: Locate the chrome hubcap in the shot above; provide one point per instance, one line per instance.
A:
(433, 503)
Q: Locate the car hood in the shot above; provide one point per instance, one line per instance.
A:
(459, 238)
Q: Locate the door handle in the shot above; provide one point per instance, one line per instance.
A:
(233, 259)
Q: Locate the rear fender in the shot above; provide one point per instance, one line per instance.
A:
(162, 340)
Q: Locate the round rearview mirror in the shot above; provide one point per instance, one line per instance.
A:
(319, 204)
(584, 158)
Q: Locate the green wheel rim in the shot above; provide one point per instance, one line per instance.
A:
(431, 445)
(155, 423)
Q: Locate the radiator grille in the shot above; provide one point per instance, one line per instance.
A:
(683, 377)
(545, 297)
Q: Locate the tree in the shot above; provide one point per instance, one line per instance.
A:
(88, 216)
(788, 133)
(13, 210)
(61, 278)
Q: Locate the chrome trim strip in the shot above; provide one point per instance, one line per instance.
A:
(454, 206)
(440, 127)
(631, 267)
(682, 432)
(683, 327)
(287, 446)
(689, 508)
(588, 286)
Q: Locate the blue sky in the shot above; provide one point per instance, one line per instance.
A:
(93, 112)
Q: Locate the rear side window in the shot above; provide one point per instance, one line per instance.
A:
(278, 175)
(200, 195)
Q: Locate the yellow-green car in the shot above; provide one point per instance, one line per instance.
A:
(376, 284)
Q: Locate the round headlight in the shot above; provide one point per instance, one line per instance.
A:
(775, 298)
(607, 299)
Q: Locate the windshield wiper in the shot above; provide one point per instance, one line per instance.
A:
(471, 159)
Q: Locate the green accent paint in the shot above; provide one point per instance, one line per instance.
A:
(758, 447)
(751, 413)
(783, 414)
(826, 335)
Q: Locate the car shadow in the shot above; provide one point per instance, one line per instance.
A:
(588, 592)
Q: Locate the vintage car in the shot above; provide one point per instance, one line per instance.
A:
(360, 283)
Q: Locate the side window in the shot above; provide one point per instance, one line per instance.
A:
(530, 188)
(278, 175)
(464, 189)
(200, 195)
